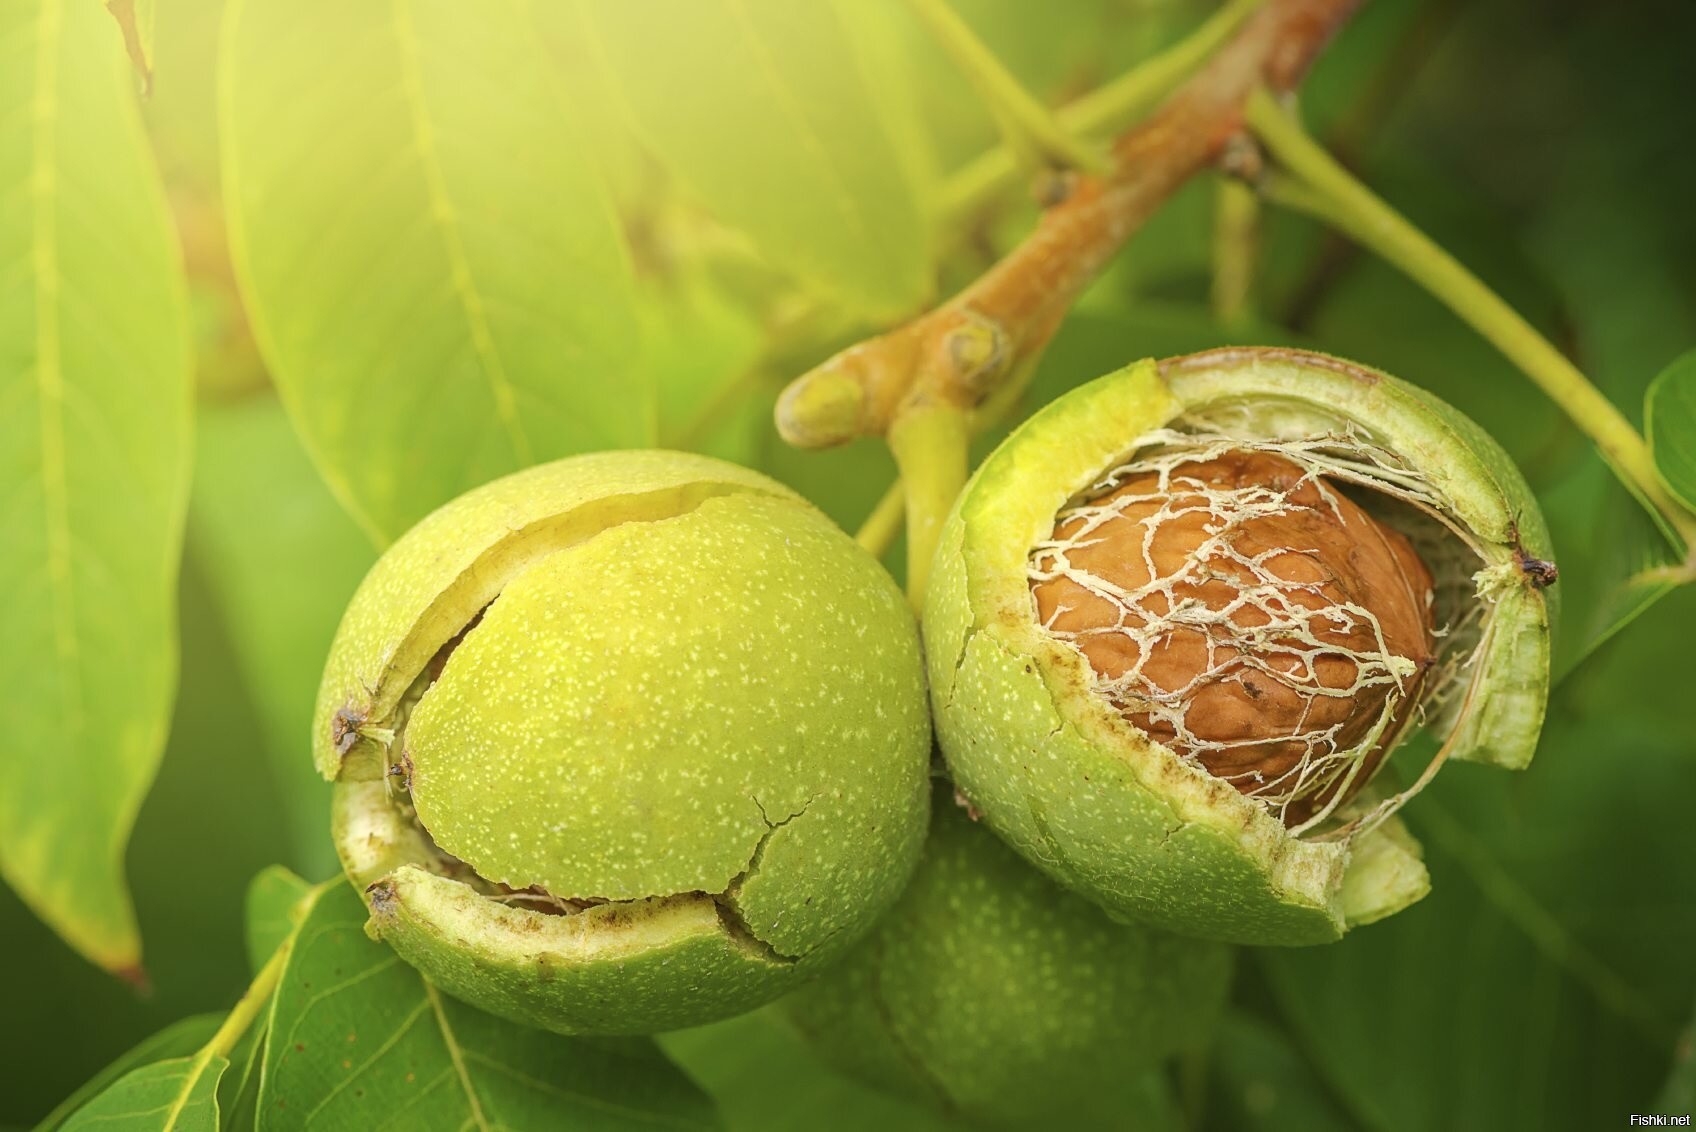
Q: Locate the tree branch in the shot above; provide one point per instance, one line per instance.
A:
(959, 354)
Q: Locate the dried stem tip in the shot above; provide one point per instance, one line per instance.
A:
(1240, 610)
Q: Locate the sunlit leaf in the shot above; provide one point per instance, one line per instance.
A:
(359, 1040)
(94, 421)
(180, 1039)
(1669, 415)
(703, 351)
(626, 169)
(434, 273)
(766, 112)
(179, 1095)
(281, 583)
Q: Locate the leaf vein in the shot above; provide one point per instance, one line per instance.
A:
(456, 1055)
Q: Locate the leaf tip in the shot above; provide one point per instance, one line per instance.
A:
(136, 976)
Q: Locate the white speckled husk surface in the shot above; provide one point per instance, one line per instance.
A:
(690, 701)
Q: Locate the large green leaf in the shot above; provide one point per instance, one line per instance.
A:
(703, 351)
(179, 1039)
(181, 111)
(434, 273)
(359, 1040)
(94, 419)
(767, 112)
(627, 171)
(282, 559)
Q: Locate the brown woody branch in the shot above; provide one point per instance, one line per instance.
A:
(963, 351)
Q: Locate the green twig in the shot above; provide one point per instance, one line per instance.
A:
(1236, 248)
(929, 444)
(1103, 111)
(1318, 185)
(877, 533)
(1029, 130)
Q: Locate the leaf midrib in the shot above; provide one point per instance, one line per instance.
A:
(456, 1055)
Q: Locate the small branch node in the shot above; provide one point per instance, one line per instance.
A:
(1243, 159)
(823, 408)
(1054, 187)
(978, 354)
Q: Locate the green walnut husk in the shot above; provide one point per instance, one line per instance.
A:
(1070, 783)
(993, 994)
(627, 742)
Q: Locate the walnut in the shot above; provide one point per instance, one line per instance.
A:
(1245, 613)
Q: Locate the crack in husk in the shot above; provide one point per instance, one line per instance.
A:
(536, 899)
(406, 674)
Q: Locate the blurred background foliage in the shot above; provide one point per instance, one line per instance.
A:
(1546, 980)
